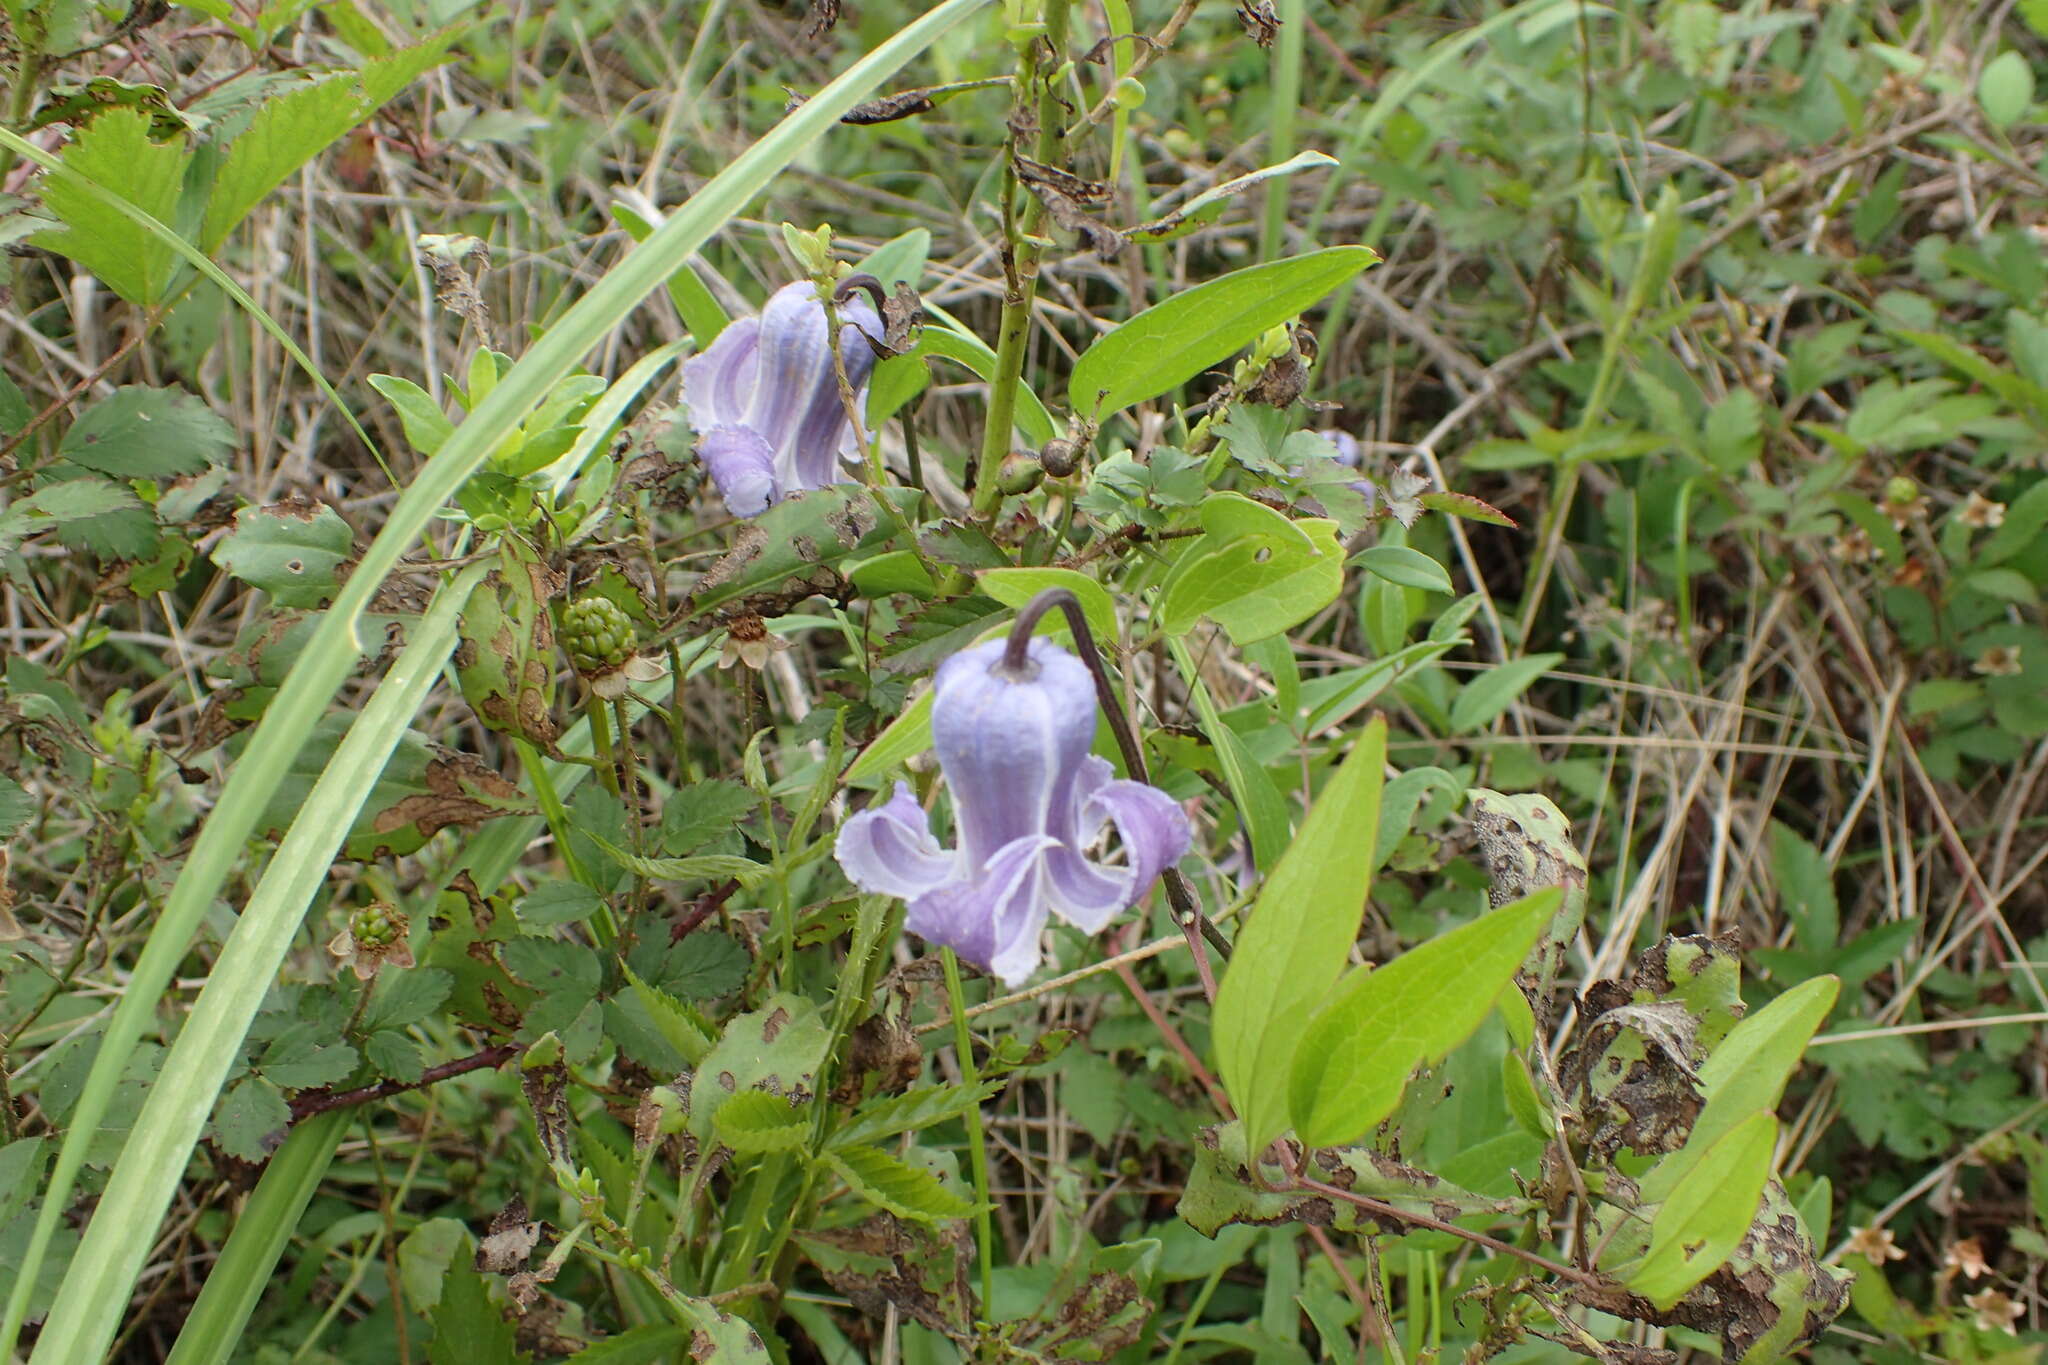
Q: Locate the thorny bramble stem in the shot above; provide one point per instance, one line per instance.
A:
(1017, 664)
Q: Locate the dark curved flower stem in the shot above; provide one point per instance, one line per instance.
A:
(1017, 664)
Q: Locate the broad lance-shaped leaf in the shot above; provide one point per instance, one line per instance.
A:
(1705, 1218)
(1173, 341)
(1357, 1052)
(1290, 954)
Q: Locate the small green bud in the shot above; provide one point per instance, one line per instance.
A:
(1020, 473)
(1128, 92)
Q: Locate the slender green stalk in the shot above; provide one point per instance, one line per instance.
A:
(977, 1142)
(1285, 104)
(100, 1278)
(1026, 250)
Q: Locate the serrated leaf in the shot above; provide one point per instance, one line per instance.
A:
(912, 1111)
(1173, 341)
(116, 153)
(702, 965)
(297, 1059)
(701, 868)
(293, 127)
(904, 1190)
(16, 808)
(1357, 1052)
(468, 1328)
(778, 1048)
(695, 815)
(138, 432)
(932, 632)
(558, 902)
(251, 1120)
(757, 1121)
(681, 1027)
(62, 504)
(394, 1055)
(405, 998)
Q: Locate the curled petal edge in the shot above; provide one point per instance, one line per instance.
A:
(889, 849)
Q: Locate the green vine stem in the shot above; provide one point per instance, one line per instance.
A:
(977, 1143)
(1024, 248)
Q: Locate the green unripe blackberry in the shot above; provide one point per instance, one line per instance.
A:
(597, 633)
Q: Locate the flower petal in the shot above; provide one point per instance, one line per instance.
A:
(1011, 748)
(992, 918)
(743, 467)
(889, 849)
(718, 381)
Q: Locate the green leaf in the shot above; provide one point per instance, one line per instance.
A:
(138, 432)
(1175, 340)
(394, 1055)
(1260, 806)
(959, 345)
(115, 153)
(702, 868)
(1357, 1051)
(1806, 889)
(2006, 89)
(406, 998)
(912, 1111)
(1481, 701)
(251, 1119)
(21, 1169)
(468, 1328)
(681, 1027)
(904, 1190)
(907, 736)
(1290, 954)
(1702, 1221)
(61, 504)
(2022, 526)
(1207, 206)
(695, 815)
(292, 128)
(426, 426)
(806, 536)
(292, 550)
(557, 902)
(778, 1047)
(1406, 567)
(1746, 1075)
(1253, 571)
(757, 1121)
(1015, 587)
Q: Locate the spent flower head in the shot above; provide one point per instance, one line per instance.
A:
(1995, 1310)
(375, 938)
(1998, 661)
(1875, 1245)
(1981, 513)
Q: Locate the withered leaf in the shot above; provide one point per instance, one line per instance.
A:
(510, 1241)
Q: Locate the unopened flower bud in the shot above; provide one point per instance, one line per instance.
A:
(1060, 457)
(1020, 473)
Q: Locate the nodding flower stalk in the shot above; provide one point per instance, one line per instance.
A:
(1011, 722)
(764, 399)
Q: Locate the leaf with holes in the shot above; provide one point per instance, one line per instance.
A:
(138, 432)
(295, 551)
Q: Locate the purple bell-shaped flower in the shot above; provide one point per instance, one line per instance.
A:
(1029, 802)
(765, 403)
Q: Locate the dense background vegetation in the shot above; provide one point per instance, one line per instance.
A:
(1726, 323)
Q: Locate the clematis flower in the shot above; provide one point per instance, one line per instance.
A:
(1029, 801)
(764, 400)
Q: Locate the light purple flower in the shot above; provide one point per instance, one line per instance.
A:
(1028, 801)
(765, 404)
